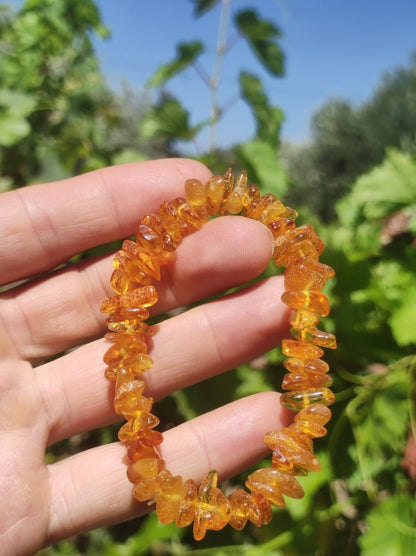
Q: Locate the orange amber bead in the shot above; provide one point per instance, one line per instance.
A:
(314, 301)
(146, 489)
(301, 381)
(295, 365)
(130, 430)
(214, 192)
(273, 484)
(234, 202)
(306, 274)
(315, 336)
(212, 509)
(140, 297)
(169, 499)
(301, 350)
(297, 400)
(281, 226)
(195, 195)
(303, 319)
(145, 445)
(187, 507)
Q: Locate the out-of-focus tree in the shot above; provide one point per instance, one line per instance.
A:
(58, 115)
(348, 141)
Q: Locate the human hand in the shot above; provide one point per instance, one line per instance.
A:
(56, 309)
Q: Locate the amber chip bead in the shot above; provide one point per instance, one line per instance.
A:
(138, 267)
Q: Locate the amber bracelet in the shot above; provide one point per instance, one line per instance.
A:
(136, 267)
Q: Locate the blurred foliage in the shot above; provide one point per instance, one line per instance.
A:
(348, 141)
(59, 117)
(356, 182)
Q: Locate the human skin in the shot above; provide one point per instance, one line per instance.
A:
(48, 307)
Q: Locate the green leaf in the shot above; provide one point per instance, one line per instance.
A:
(203, 6)
(263, 166)
(391, 527)
(268, 118)
(168, 119)
(262, 36)
(186, 53)
(15, 107)
(403, 319)
(388, 188)
(379, 416)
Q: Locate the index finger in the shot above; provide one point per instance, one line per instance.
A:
(42, 226)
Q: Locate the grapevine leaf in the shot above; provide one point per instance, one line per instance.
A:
(403, 319)
(203, 6)
(186, 54)
(262, 36)
(15, 107)
(387, 188)
(379, 416)
(268, 118)
(391, 527)
(168, 120)
(261, 161)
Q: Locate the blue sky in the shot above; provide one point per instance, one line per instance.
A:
(333, 48)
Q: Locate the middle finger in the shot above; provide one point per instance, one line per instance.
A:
(61, 311)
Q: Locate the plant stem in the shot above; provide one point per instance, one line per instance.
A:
(215, 77)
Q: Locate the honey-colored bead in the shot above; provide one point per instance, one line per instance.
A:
(147, 489)
(302, 381)
(154, 241)
(128, 354)
(228, 179)
(145, 468)
(297, 400)
(186, 510)
(169, 220)
(121, 283)
(314, 301)
(234, 202)
(250, 195)
(129, 403)
(169, 498)
(188, 217)
(140, 297)
(306, 274)
(281, 227)
(266, 209)
(214, 192)
(303, 319)
(291, 449)
(129, 320)
(145, 445)
(212, 510)
(294, 365)
(154, 222)
(301, 350)
(239, 504)
(273, 484)
(130, 430)
(303, 249)
(315, 336)
(195, 196)
(260, 510)
(145, 263)
(317, 412)
(248, 507)
(298, 235)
